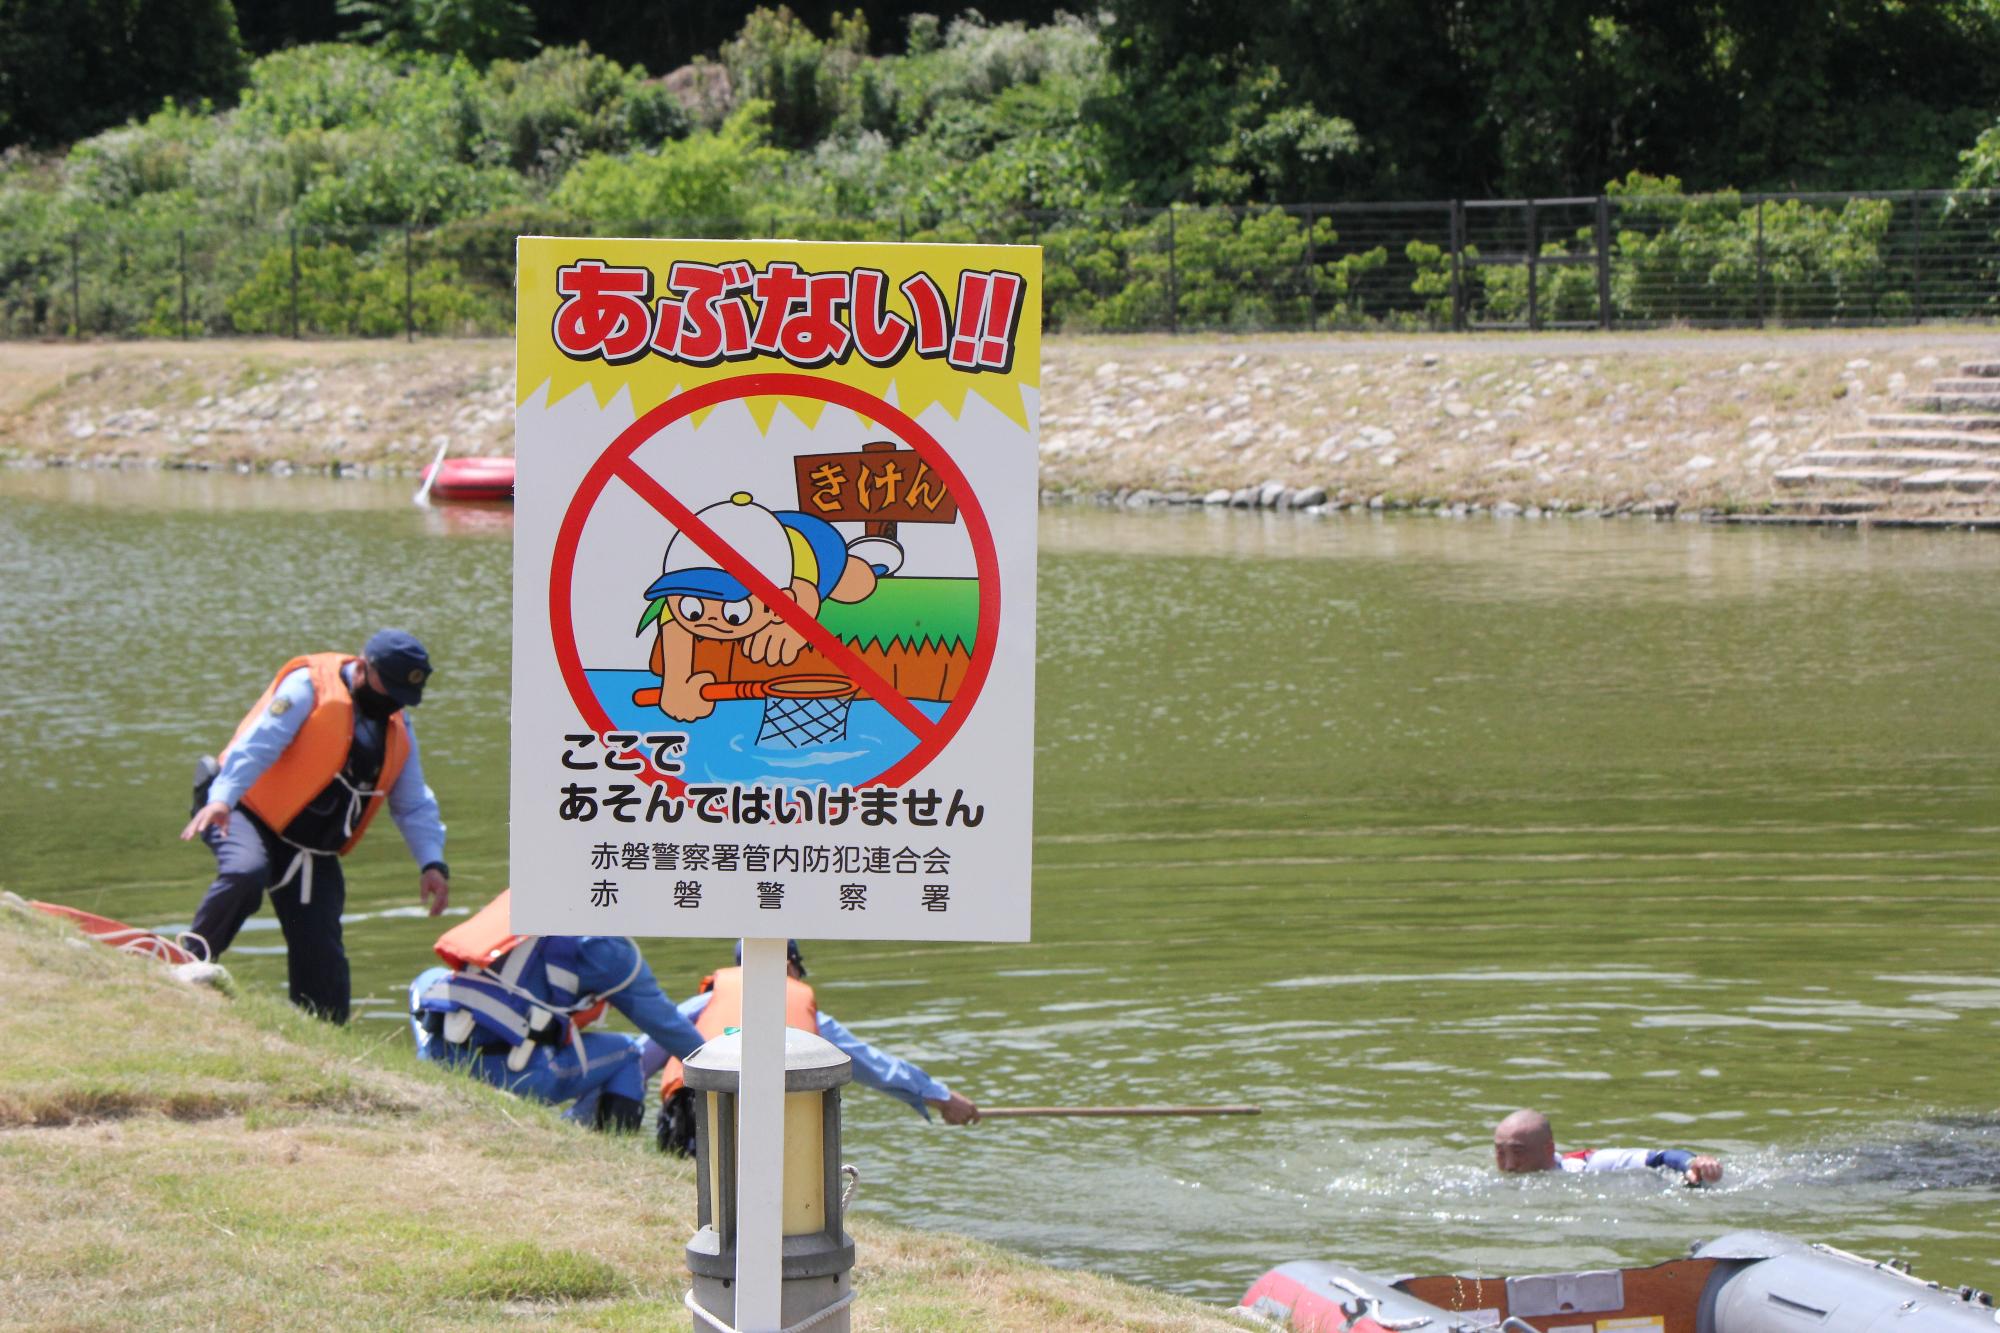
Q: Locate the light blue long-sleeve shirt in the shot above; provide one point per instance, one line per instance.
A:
(606, 961)
(873, 1068)
(411, 803)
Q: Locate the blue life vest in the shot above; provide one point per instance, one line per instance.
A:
(531, 994)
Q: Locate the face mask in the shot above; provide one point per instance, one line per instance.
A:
(372, 702)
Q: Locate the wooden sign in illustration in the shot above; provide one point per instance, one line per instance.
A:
(881, 484)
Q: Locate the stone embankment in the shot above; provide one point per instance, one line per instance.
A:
(1509, 425)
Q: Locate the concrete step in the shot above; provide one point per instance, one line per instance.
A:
(1953, 479)
(1962, 502)
(1970, 384)
(1928, 522)
(1910, 460)
(1874, 479)
(1940, 522)
(1980, 480)
(1918, 439)
(1970, 423)
(1985, 370)
(1844, 504)
(1952, 402)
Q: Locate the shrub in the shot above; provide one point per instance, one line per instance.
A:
(1201, 268)
(1979, 165)
(1564, 293)
(121, 165)
(334, 85)
(777, 59)
(541, 116)
(377, 178)
(1433, 279)
(342, 293)
(701, 182)
(1682, 257)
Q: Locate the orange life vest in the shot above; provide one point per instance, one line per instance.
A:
(319, 751)
(725, 1010)
(486, 937)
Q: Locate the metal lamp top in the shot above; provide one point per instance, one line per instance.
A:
(812, 1063)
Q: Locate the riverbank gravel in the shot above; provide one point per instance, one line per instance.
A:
(1513, 426)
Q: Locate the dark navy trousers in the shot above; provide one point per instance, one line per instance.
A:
(248, 860)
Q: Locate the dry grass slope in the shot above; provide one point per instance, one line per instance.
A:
(176, 1158)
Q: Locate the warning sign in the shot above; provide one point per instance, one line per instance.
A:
(774, 589)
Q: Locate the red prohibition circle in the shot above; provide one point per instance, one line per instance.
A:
(986, 561)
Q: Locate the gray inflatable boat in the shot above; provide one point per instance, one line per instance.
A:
(1744, 1282)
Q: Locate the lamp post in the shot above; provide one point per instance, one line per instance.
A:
(818, 1253)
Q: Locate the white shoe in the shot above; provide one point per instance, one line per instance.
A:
(881, 554)
(200, 974)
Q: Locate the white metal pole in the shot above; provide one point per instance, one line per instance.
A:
(760, 1140)
(422, 499)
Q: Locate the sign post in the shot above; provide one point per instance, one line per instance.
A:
(774, 586)
(760, 1119)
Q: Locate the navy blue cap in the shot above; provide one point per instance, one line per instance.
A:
(792, 955)
(401, 662)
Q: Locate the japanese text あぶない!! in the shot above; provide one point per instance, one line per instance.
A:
(734, 311)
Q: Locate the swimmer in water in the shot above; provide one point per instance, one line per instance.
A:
(1524, 1142)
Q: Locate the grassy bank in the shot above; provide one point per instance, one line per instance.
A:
(171, 1157)
(1561, 421)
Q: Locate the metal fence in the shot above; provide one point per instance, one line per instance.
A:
(1609, 262)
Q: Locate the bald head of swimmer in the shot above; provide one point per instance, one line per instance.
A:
(1524, 1141)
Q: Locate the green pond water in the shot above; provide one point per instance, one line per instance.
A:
(1684, 835)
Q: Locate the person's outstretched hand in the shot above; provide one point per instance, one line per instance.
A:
(957, 1109)
(214, 815)
(1704, 1171)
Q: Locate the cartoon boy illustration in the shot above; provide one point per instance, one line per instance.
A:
(797, 552)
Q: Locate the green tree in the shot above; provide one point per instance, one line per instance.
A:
(479, 30)
(69, 69)
(1527, 97)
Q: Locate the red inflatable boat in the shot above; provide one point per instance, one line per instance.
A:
(124, 938)
(472, 479)
(1744, 1282)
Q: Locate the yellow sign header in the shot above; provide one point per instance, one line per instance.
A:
(934, 324)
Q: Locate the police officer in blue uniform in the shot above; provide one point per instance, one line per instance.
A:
(514, 1023)
(328, 742)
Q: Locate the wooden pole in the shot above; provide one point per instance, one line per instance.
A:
(873, 527)
(1022, 1112)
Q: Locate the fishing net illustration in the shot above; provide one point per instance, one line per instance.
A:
(796, 723)
(798, 710)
